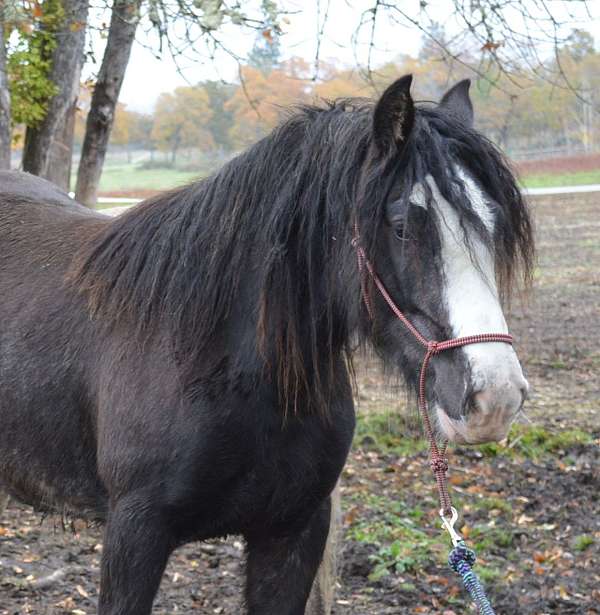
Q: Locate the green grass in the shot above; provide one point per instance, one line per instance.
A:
(387, 432)
(583, 541)
(390, 433)
(399, 534)
(486, 539)
(552, 180)
(489, 575)
(130, 177)
(493, 503)
(396, 531)
(536, 442)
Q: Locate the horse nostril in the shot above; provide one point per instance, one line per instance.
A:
(487, 399)
(471, 402)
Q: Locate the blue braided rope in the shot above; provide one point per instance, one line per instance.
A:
(461, 560)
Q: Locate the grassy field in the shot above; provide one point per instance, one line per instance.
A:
(131, 180)
(130, 177)
(552, 180)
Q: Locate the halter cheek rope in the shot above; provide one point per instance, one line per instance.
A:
(461, 558)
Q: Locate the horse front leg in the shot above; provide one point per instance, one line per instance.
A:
(281, 571)
(137, 545)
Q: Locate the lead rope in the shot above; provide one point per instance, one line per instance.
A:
(461, 558)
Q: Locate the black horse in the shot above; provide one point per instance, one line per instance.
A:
(181, 372)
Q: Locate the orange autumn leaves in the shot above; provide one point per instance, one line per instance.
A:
(258, 102)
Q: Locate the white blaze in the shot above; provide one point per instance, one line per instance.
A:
(473, 305)
(471, 294)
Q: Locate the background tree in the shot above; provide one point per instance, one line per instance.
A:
(121, 34)
(5, 116)
(28, 61)
(122, 126)
(222, 117)
(579, 44)
(502, 37)
(140, 130)
(130, 129)
(497, 113)
(181, 120)
(49, 143)
(339, 84)
(580, 61)
(53, 46)
(179, 25)
(257, 103)
(265, 55)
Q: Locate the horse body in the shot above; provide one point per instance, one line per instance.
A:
(86, 418)
(45, 346)
(181, 372)
(220, 431)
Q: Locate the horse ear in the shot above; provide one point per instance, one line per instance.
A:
(394, 116)
(458, 103)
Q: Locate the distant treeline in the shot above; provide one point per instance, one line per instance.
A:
(522, 111)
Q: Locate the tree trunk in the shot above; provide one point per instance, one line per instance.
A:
(61, 156)
(4, 100)
(121, 34)
(4, 498)
(46, 153)
(321, 597)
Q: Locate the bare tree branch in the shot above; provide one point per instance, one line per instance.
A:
(507, 35)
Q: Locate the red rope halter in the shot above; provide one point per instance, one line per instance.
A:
(437, 455)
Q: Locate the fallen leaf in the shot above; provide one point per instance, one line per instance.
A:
(81, 591)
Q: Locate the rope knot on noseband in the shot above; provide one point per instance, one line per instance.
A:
(439, 465)
(433, 347)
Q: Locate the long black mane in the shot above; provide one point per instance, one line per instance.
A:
(281, 215)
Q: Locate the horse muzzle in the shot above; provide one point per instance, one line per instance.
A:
(487, 414)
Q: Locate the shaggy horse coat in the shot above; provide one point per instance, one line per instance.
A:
(181, 372)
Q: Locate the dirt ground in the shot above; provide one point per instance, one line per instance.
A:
(531, 505)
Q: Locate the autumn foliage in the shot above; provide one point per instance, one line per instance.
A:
(521, 112)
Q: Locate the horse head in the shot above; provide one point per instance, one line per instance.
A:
(445, 228)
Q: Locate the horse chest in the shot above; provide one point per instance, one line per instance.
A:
(298, 466)
(272, 477)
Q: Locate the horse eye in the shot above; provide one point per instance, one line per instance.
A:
(399, 231)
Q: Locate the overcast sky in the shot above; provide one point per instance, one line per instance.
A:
(148, 76)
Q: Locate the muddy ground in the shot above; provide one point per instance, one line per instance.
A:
(531, 505)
